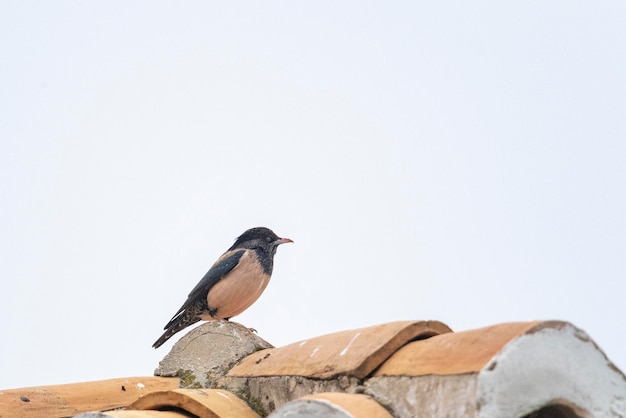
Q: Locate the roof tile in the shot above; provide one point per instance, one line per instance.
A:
(70, 399)
(454, 353)
(210, 403)
(354, 353)
(339, 405)
(506, 370)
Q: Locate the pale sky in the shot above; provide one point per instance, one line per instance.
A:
(457, 161)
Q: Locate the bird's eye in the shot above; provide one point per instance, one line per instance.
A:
(268, 239)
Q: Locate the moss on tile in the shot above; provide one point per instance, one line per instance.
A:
(188, 379)
(253, 402)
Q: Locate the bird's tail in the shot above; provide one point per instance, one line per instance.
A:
(176, 324)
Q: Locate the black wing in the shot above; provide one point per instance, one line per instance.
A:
(214, 275)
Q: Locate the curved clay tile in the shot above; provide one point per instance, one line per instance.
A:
(506, 370)
(354, 353)
(209, 403)
(332, 405)
(73, 398)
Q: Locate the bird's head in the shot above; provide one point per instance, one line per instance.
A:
(259, 238)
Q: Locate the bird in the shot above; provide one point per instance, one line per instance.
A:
(232, 284)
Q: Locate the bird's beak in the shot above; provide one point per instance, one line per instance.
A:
(283, 241)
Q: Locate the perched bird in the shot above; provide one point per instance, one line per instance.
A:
(232, 284)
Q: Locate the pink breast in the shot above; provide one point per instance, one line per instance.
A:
(239, 289)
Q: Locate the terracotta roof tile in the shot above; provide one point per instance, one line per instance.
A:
(506, 370)
(70, 399)
(337, 405)
(454, 353)
(348, 353)
(210, 403)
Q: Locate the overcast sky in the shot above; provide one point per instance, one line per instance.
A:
(457, 161)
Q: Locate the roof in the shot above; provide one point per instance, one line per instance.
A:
(398, 369)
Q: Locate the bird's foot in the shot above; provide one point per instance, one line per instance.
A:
(252, 330)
